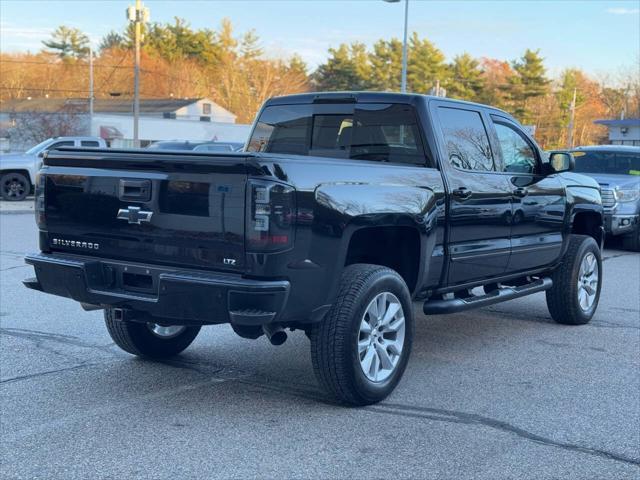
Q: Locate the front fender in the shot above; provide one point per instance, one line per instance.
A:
(584, 199)
(19, 164)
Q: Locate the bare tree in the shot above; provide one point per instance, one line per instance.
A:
(28, 128)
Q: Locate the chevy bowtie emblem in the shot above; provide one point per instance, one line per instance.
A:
(134, 215)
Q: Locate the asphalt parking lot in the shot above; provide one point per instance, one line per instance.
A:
(501, 392)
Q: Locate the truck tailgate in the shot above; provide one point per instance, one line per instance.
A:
(186, 210)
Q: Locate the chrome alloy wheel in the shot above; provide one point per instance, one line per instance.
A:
(381, 337)
(165, 332)
(588, 278)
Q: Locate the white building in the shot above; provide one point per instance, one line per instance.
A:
(193, 119)
(625, 131)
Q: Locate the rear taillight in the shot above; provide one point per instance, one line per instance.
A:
(270, 216)
(41, 180)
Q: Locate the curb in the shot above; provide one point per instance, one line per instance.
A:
(13, 208)
(16, 212)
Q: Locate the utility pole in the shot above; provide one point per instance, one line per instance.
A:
(138, 15)
(572, 116)
(90, 83)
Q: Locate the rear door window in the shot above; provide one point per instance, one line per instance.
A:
(374, 132)
(466, 139)
(89, 143)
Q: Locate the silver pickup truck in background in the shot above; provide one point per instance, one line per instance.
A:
(18, 171)
(617, 169)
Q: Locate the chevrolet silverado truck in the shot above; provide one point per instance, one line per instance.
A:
(344, 210)
(617, 169)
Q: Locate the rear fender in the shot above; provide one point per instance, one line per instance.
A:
(361, 206)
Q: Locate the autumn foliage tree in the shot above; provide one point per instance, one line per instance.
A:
(235, 71)
(177, 61)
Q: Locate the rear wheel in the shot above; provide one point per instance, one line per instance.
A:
(14, 186)
(152, 340)
(361, 349)
(573, 298)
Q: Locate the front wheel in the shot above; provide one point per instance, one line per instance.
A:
(153, 340)
(574, 296)
(361, 348)
(15, 186)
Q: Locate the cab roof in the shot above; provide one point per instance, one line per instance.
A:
(368, 97)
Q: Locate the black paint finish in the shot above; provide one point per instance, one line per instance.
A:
(199, 204)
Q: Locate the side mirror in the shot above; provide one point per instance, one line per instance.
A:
(561, 162)
(41, 154)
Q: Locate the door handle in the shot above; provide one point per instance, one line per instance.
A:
(462, 192)
(135, 190)
(521, 192)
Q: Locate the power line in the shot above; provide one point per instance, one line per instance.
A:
(40, 89)
(144, 94)
(115, 67)
(78, 65)
(97, 65)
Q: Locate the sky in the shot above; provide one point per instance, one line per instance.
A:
(600, 37)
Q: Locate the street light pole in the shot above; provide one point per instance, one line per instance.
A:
(572, 117)
(403, 81)
(136, 80)
(138, 15)
(403, 85)
(90, 83)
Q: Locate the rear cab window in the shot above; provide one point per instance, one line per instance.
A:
(373, 132)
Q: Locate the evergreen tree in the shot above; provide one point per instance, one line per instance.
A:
(250, 46)
(112, 40)
(425, 66)
(466, 81)
(346, 68)
(386, 65)
(68, 42)
(179, 41)
(296, 64)
(528, 83)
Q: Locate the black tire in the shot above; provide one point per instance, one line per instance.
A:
(14, 186)
(632, 241)
(562, 298)
(334, 340)
(138, 339)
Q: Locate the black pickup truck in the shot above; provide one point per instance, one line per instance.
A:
(343, 210)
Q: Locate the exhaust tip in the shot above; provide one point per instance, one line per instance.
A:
(278, 338)
(275, 334)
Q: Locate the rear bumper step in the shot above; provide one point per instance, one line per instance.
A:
(454, 305)
(182, 296)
